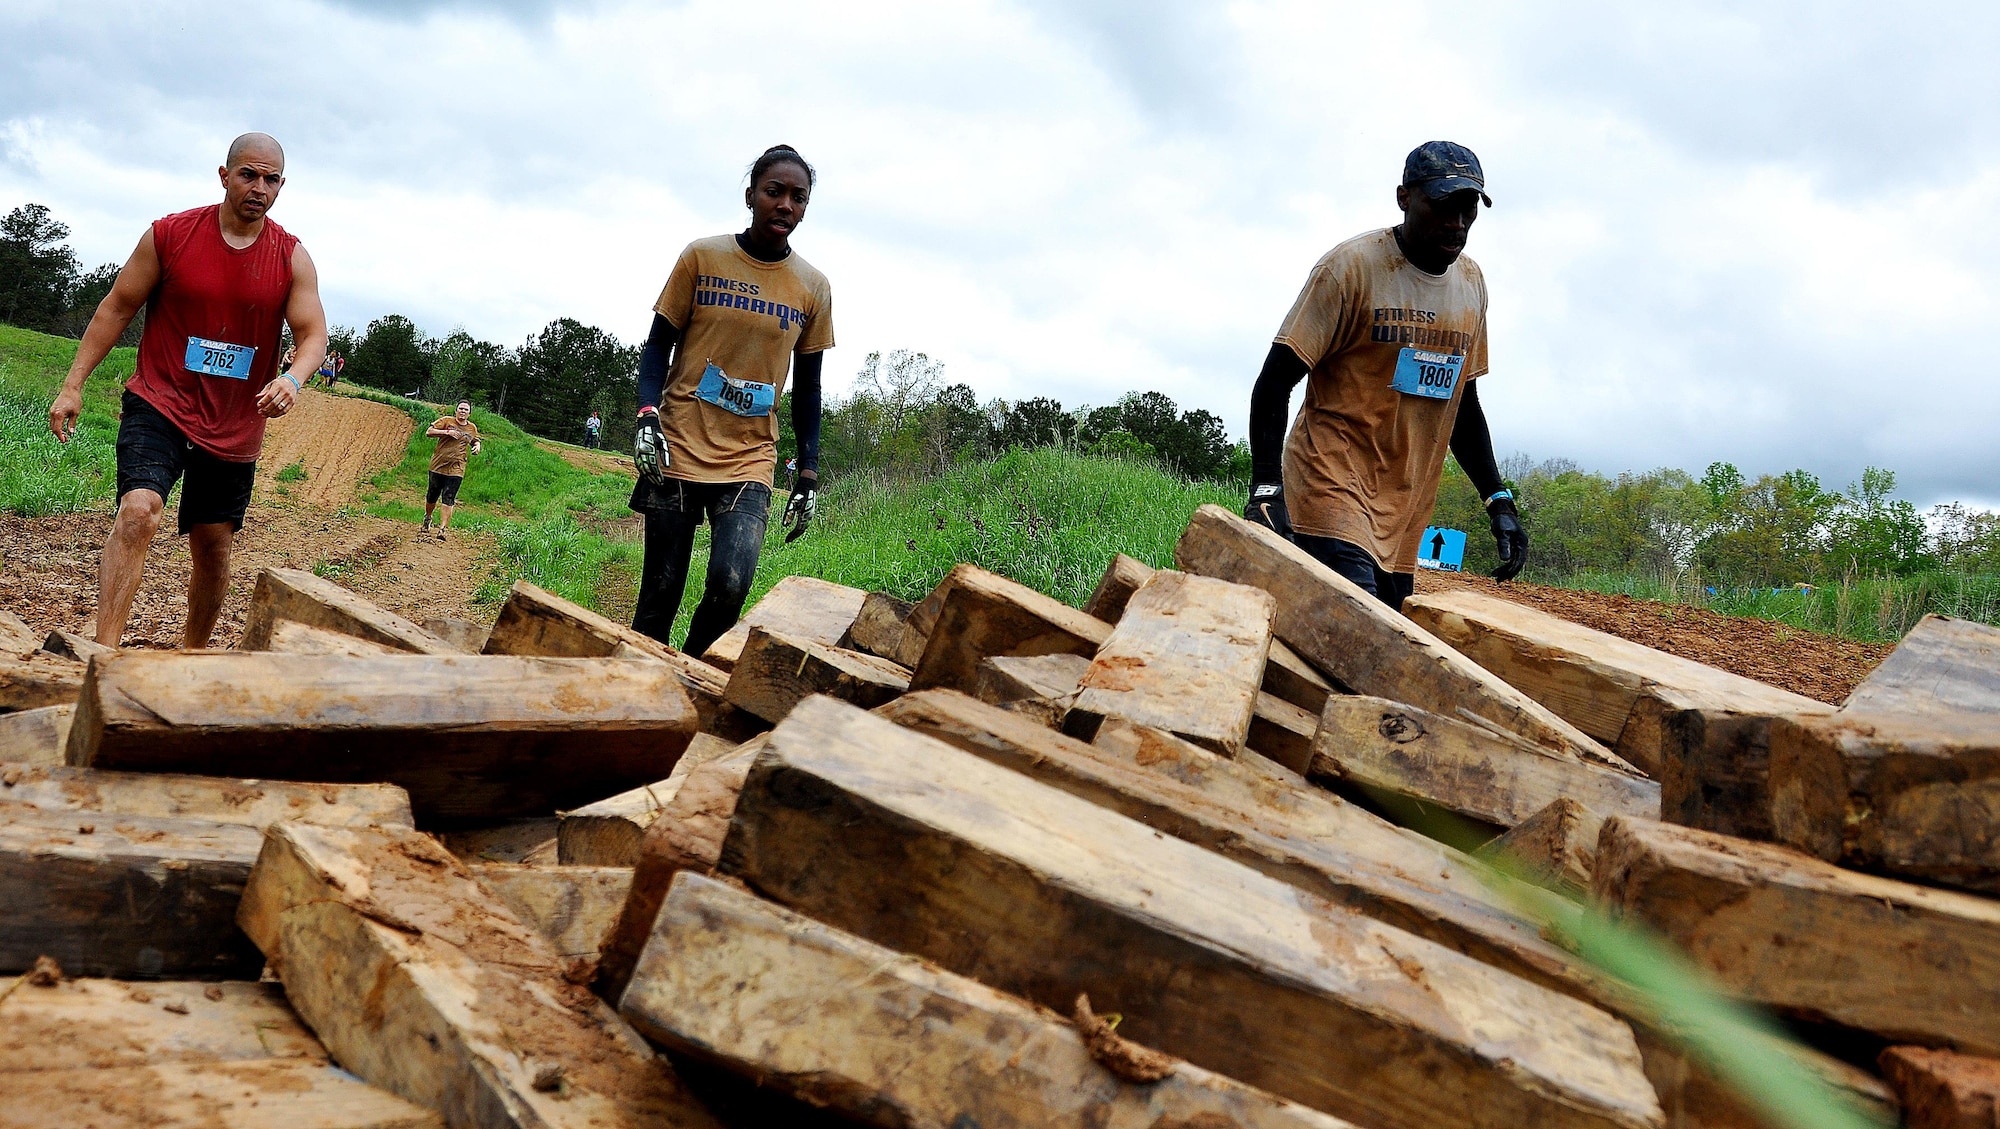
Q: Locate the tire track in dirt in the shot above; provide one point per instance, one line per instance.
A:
(338, 440)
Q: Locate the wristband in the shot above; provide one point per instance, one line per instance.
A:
(294, 380)
(1499, 494)
(648, 410)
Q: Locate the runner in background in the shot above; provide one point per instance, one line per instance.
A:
(593, 429)
(737, 314)
(325, 373)
(339, 369)
(218, 285)
(457, 441)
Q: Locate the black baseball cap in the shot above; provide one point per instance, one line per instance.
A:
(1441, 168)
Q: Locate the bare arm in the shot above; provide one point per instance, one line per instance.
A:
(134, 285)
(307, 318)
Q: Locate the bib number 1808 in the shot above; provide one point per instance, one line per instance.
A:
(1420, 372)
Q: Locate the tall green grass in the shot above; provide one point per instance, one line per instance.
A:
(39, 475)
(1874, 609)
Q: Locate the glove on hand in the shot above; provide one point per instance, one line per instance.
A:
(1267, 508)
(801, 506)
(1509, 537)
(649, 448)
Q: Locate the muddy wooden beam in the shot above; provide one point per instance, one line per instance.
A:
(1356, 639)
(608, 832)
(70, 645)
(1943, 665)
(290, 637)
(878, 626)
(17, 639)
(509, 840)
(295, 594)
(1473, 771)
(1555, 847)
(214, 799)
(776, 669)
(470, 737)
(1283, 733)
(534, 621)
(1611, 688)
(732, 978)
(1122, 577)
(1942, 1090)
(1786, 930)
(804, 607)
(573, 906)
(93, 1023)
(422, 983)
(1042, 686)
(923, 848)
(124, 896)
(297, 1093)
(37, 736)
(1716, 771)
(917, 628)
(465, 635)
(983, 614)
(39, 679)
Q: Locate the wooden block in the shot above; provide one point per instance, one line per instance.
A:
(984, 614)
(124, 896)
(17, 639)
(420, 982)
(924, 848)
(1289, 678)
(917, 628)
(1695, 1099)
(608, 832)
(1122, 577)
(1008, 678)
(1355, 638)
(573, 906)
(470, 737)
(39, 679)
(96, 1024)
(36, 736)
(1942, 1090)
(291, 637)
(1463, 768)
(734, 979)
(775, 669)
(803, 607)
(511, 840)
(878, 626)
(1555, 847)
(213, 799)
(688, 835)
(1907, 794)
(1716, 772)
(1786, 930)
(70, 645)
(537, 622)
(462, 634)
(1294, 833)
(295, 594)
(1591, 679)
(1283, 732)
(1943, 666)
(1186, 658)
(294, 1093)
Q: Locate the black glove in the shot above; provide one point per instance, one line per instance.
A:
(1511, 539)
(1267, 508)
(649, 448)
(801, 506)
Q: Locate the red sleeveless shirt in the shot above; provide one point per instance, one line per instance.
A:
(214, 292)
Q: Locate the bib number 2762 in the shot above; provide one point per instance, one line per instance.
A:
(1420, 372)
(219, 358)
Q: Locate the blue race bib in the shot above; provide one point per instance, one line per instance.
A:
(1420, 372)
(743, 397)
(219, 358)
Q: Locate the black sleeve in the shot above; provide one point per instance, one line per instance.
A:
(653, 361)
(1472, 444)
(806, 408)
(1283, 369)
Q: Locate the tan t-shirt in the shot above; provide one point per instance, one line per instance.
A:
(747, 318)
(1363, 460)
(451, 453)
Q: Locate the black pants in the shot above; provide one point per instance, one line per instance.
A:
(443, 488)
(1355, 563)
(737, 513)
(154, 453)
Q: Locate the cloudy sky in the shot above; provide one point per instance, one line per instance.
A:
(1761, 233)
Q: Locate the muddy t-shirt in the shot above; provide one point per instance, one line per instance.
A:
(741, 321)
(1363, 459)
(452, 451)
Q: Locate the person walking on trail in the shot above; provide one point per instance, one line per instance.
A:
(457, 441)
(737, 313)
(592, 429)
(1391, 329)
(333, 374)
(218, 285)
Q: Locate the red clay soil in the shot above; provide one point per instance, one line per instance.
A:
(1824, 667)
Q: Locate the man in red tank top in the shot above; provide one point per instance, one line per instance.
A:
(218, 284)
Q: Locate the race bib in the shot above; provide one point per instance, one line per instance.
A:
(745, 398)
(1420, 372)
(219, 358)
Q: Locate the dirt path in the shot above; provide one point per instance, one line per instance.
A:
(596, 462)
(337, 440)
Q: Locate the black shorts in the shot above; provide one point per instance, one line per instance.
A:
(443, 488)
(154, 453)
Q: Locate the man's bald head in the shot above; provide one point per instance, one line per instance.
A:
(255, 145)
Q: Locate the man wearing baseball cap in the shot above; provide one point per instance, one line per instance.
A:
(1391, 329)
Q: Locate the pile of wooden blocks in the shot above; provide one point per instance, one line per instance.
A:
(987, 860)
